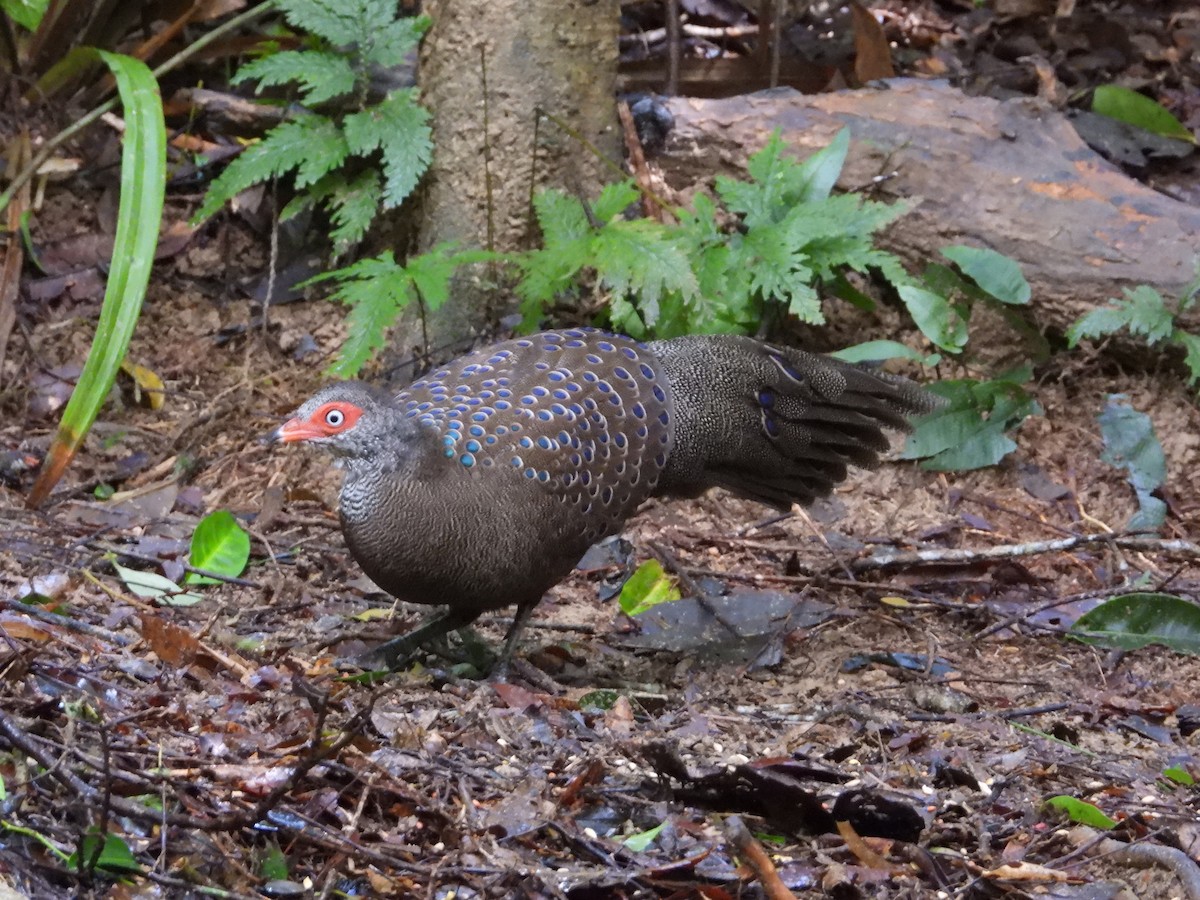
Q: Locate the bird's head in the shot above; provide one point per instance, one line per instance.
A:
(349, 419)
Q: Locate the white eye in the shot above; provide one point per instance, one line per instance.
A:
(334, 418)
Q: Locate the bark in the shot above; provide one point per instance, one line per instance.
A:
(556, 55)
(1011, 175)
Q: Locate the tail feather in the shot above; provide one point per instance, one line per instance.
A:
(779, 425)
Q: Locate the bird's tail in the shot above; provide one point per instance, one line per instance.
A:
(773, 423)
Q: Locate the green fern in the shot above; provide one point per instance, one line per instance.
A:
(1143, 312)
(378, 289)
(390, 142)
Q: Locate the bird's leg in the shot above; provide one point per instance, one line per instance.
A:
(396, 651)
(500, 669)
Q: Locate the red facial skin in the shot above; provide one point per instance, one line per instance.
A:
(327, 421)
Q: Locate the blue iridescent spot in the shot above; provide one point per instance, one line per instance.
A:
(529, 400)
(545, 443)
(588, 456)
(629, 353)
(642, 431)
(501, 429)
(618, 439)
(503, 405)
(597, 418)
(490, 439)
(622, 373)
(574, 387)
(541, 366)
(664, 417)
(551, 348)
(560, 394)
(556, 375)
(583, 426)
(539, 391)
(481, 416)
(594, 359)
(448, 441)
(591, 377)
(584, 477)
(639, 411)
(605, 346)
(489, 383)
(659, 394)
(524, 343)
(514, 427)
(574, 459)
(604, 386)
(543, 476)
(462, 389)
(574, 345)
(647, 372)
(517, 462)
(475, 431)
(602, 437)
(614, 399)
(467, 460)
(530, 473)
(771, 426)
(472, 446)
(473, 401)
(526, 442)
(545, 415)
(424, 406)
(577, 332)
(766, 397)
(660, 460)
(449, 452)
(606, 495)
(558, 409)
(503, 382)
(564, 438)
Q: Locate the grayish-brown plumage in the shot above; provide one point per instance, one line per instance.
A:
(481, 485)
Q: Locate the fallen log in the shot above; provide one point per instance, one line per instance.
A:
(1011, 175)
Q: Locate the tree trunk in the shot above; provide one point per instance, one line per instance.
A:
(486, 67)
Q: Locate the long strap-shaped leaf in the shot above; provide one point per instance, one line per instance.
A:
(143, 184)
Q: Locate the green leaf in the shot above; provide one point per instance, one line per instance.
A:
(641, 841)
(311, 145)
(1131, 444)
(1191, 348)
(376, 290)
(153, 586)
(1133, 621)
(969, 431)
(995, 273)
(113, 856)
(646, 588)
(273, 866)
(614, 199)
(1179, 775)
(936, 318)
(353, 206)
(638, 258)
(817, 176)
(877, 351)
(321, 75)
(1081, 812)
(26, 13)
(399, 127)
(139, 213)
(1129, 106)
(220, 546)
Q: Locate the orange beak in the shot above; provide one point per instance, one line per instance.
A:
(295, 430)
